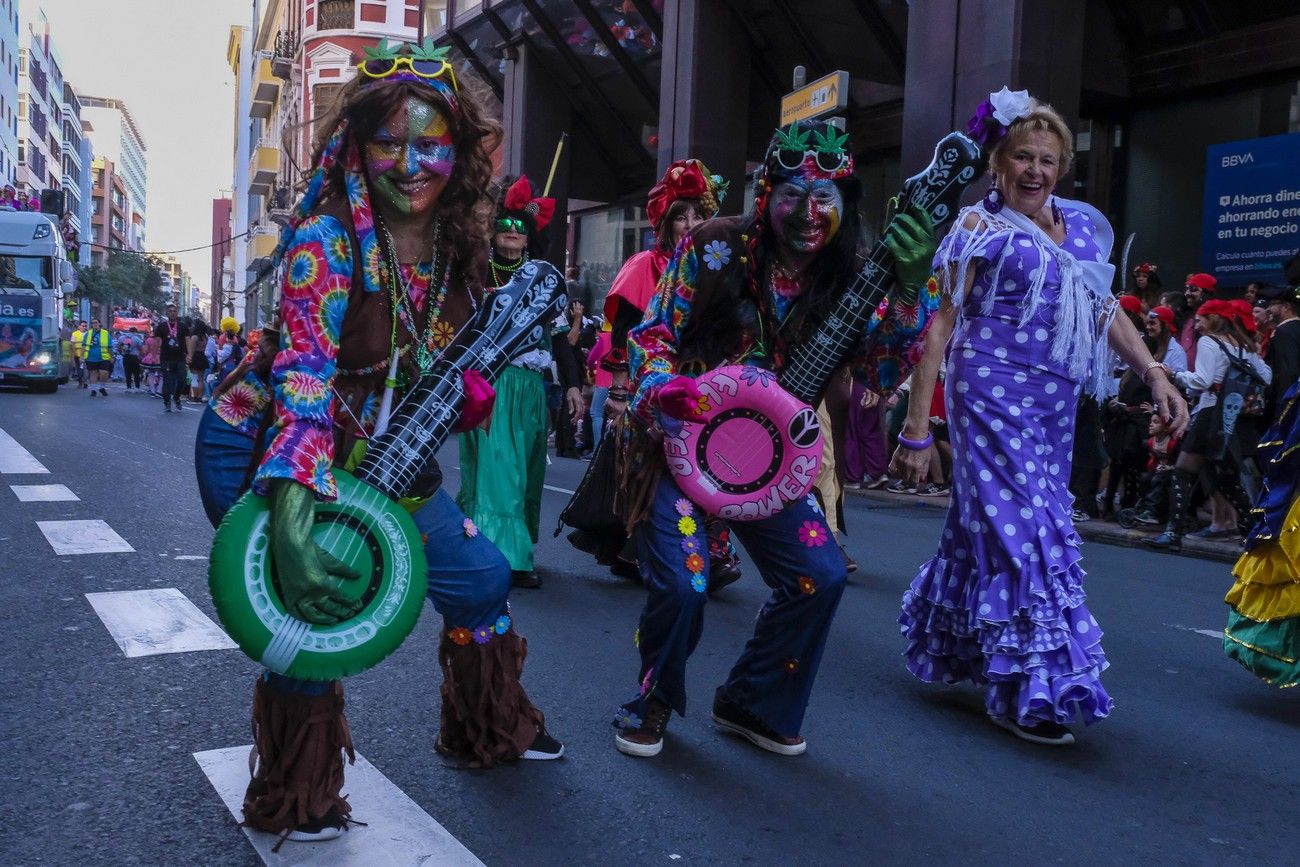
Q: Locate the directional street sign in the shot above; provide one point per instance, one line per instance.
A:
(826, 95)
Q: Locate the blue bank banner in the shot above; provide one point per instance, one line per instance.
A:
(20, 329)
(1251, 219)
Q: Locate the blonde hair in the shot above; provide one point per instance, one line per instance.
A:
(1041, 118)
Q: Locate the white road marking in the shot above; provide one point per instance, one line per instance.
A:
(43, 493)
(16, 459)
(1211, 633)
(83, 537)
(398, 833)
(558, 490)
(190, 557)
(150, 622)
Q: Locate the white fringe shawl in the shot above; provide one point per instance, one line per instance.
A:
(1085, 308)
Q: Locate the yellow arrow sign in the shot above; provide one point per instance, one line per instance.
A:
(826, 95)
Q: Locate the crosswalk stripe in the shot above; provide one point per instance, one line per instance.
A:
(16, 459)
(154, 621)
(83, 537)
(398, 831)
(43, 493)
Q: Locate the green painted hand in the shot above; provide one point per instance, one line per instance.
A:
(910, 237)
(311, 579)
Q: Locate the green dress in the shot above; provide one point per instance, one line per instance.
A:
(503, 468)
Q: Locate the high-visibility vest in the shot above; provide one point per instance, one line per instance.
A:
(103, 343)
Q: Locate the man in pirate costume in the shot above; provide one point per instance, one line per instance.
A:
(382, 256)
(747, 290)
(503, 467)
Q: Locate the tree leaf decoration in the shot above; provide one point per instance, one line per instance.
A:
(792, 139)
(426, 51)
(384, 51)
(830, 141)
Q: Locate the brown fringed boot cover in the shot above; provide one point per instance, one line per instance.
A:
(486, 715)
(299, 741)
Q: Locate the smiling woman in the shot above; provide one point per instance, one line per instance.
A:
(380, 265)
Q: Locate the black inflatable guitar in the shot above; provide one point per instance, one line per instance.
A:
(365, 527)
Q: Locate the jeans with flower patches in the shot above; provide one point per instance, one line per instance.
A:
(469, 579)
(797, 558)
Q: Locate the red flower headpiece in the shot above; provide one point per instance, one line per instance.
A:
(519, 200)
(686, 179)
(1144, 268)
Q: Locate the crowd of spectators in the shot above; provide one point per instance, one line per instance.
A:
(1124, 457)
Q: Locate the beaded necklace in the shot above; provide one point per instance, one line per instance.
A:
(430, 340)
(503, 274)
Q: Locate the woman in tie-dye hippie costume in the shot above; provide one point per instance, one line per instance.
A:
(1028, 305)
(384, 253)
(746, 290)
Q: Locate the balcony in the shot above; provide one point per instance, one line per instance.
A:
(266, 90)
(279, 206)
(262, 243)
(263, 168)
(286, 47)
(336, 15)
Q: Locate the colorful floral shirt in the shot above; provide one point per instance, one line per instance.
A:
(708, 272)
(243, 404)
(317, 279)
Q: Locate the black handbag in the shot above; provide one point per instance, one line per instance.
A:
(592, 510)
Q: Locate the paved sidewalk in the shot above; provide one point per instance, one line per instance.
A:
(1095, 530)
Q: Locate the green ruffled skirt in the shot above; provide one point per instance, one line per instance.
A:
(502, 470)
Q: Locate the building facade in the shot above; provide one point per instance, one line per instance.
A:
(72, 168)
(305, 51)
(222, 277)
(40, 105)
(1148, 86)
(9, 46)
(111, 215)
(118, 139)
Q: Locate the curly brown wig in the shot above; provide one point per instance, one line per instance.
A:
(465, 205)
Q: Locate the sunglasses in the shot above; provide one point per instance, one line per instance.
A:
(425, 69)
(792, 160)
(512, 225)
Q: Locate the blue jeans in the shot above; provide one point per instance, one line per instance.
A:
(797, 558)
(469, 579)
(597, 414)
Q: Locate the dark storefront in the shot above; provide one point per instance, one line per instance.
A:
(1146, 84)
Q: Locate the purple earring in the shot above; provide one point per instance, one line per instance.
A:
(1057, 216)
(993, 199)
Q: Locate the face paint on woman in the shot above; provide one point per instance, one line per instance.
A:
(411, 156)
(806, 214)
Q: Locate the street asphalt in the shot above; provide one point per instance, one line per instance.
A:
(1197, 764)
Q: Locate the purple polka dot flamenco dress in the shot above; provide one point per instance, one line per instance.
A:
(1001, 603)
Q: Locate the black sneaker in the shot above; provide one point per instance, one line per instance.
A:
(648, 739)
(544, 748)
(740, 721)
(103, 391)
(330, 827)
(722, 573)
(1048, 733)
(901, 487)
(930, 489)
(1148, 517)
(1166, 541)
(528, 579)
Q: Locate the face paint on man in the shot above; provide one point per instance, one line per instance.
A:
(411, 156)
(805, 214)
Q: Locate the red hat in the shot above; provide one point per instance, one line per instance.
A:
(1204, 282)
(686, 179)
(1245, 314)
(1164, 314)
(1131, 304)
(1216, 307)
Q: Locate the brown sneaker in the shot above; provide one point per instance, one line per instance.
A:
(648, 739)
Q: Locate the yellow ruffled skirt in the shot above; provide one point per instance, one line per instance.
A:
(1263, 631)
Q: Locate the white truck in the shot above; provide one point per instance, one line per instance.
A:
(35, 276)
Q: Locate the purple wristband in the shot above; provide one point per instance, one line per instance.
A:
(916, 445)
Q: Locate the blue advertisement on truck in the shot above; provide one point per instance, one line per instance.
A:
(35, 276)
(1251, 219)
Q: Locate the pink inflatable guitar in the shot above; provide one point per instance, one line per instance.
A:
(762, 448)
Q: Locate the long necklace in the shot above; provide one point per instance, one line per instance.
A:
(503, 274)
(429, 340)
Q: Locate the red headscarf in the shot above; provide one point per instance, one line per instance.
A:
(1244, 313)
(1164, 314)
(1131, 304)
(1204, 282)
(1216, 307)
